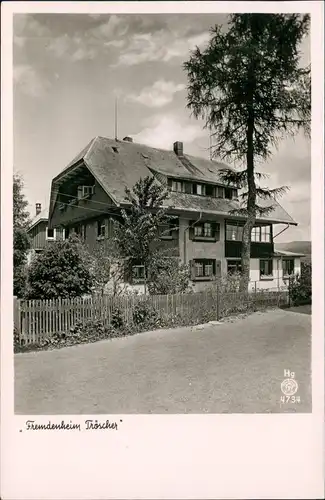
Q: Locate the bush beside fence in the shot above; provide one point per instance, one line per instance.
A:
(36, 321)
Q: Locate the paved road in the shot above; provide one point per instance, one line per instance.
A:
(233, 367)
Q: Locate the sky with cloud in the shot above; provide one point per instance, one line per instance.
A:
(69, 68)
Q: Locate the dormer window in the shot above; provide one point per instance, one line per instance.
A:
(220, 192)
(177, 186)
(202, 189)
(199, 189)
(209, 190)
(228, 193)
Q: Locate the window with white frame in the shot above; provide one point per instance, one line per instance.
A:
(220, 192)
(255, 235)
(50, 233)
(234, 232)
(204, 268)
(265, 234)
(101, 228)
(85, 191)
(261, 234)
(199, 189)
(288, 267)
(205, 230)
(177, 186)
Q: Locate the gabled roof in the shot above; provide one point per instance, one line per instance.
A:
(120, 164)
(42, 216)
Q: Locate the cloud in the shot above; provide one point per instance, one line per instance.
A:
(60, 46)
(163, 130)
(159, 46)
(25, 25)
(115, 26)
(19, 41)
(73, 48)
(88, 44)
(29, 81)
(83, 53)
(72, 45)
(115, 43)
(157, 95)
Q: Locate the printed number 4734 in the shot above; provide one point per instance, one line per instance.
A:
(290, 399)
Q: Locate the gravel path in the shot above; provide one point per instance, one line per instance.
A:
(232, 367)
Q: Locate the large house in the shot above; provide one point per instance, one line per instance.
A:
(90, 192)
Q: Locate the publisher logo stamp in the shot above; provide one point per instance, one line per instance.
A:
(289, 388)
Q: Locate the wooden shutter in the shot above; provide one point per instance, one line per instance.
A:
(216, 230)
(170, 182)
(188, 187)
(217, 271)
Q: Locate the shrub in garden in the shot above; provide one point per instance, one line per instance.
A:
(60, 271)
(168, 277)
(117, 319)
(144, 314)
(300, 288)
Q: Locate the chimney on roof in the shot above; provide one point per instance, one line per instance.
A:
(38, 208)
(128, 139)
(178, 148)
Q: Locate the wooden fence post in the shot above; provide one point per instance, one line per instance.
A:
(17, 316)
(289, 294)
(218, 303)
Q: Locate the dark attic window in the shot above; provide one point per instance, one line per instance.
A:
(228, 193)
(115, 149)
(209, 190)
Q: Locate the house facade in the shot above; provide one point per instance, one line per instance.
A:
(90, 192)
(41, 235)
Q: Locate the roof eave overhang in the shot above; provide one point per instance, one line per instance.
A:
(191, 211)
(43, 219)
(288, 256)
(229, 215)
(70, 172)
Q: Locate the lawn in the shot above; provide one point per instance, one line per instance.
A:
(236, 366)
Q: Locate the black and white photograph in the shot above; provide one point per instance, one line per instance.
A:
(162, 204)
(162, 248)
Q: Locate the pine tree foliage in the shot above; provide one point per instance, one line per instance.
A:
(21, 240)
(138, 230)
(251, 92)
